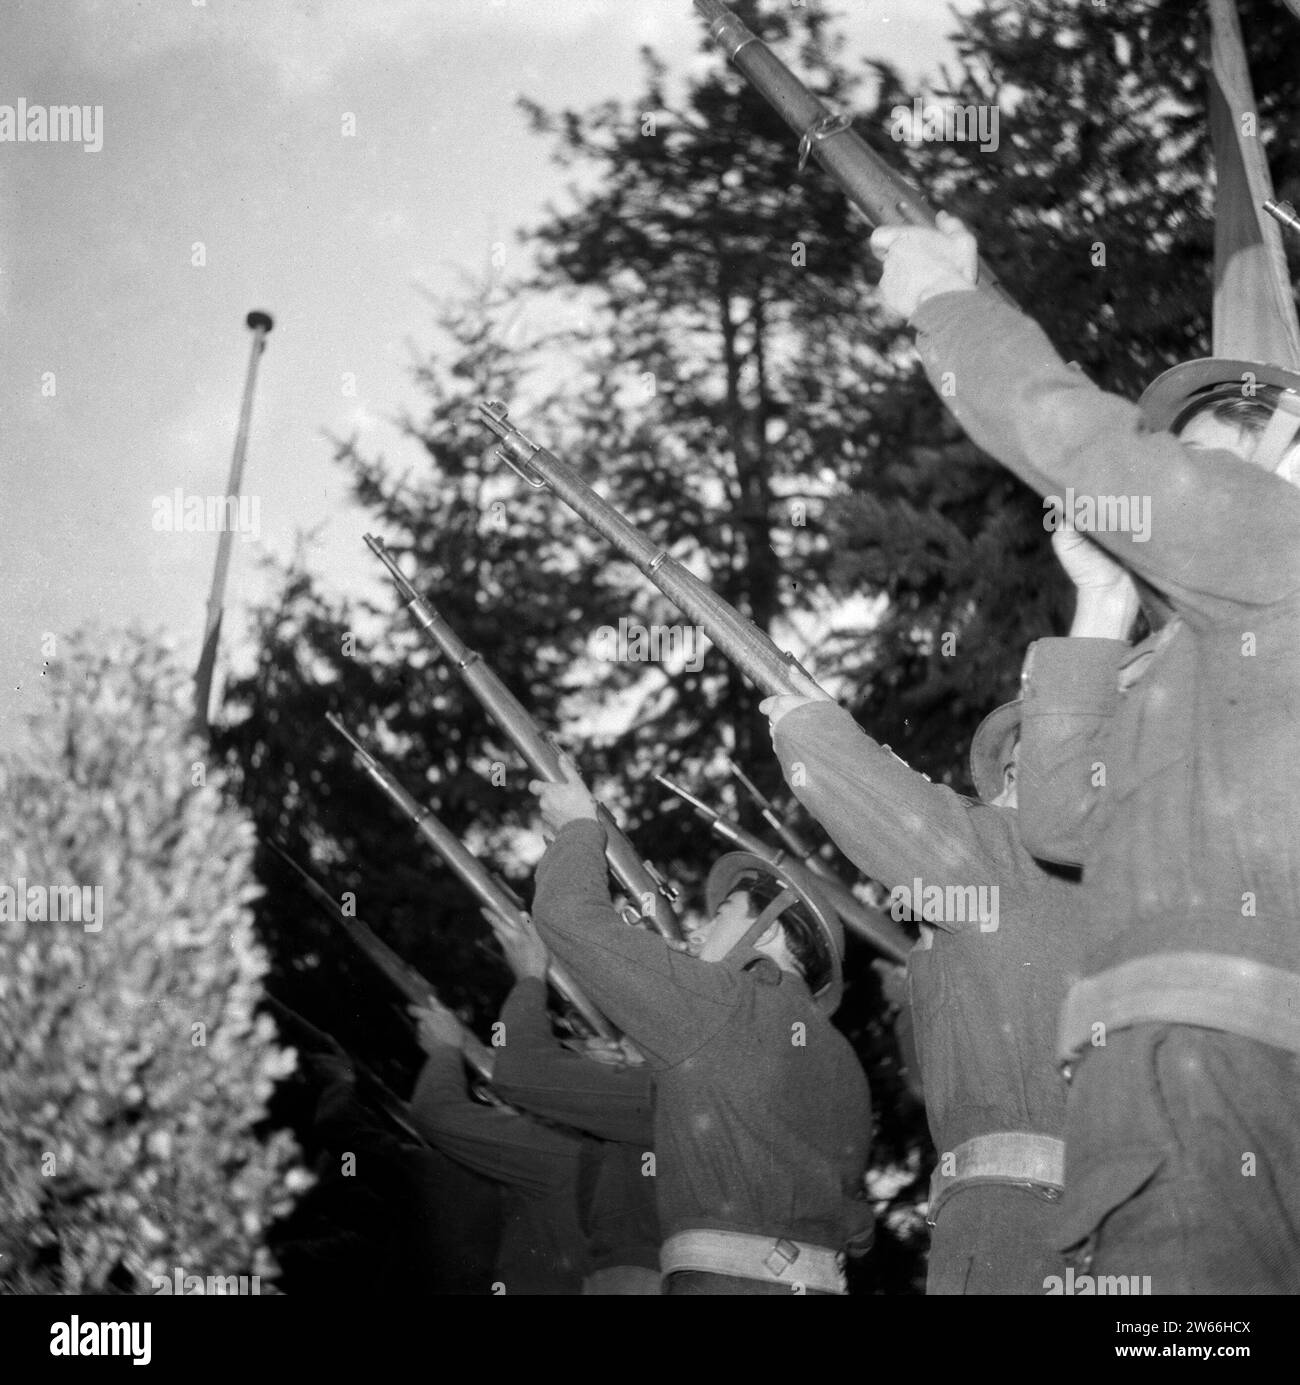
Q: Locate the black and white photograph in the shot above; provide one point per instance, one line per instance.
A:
(652, 647)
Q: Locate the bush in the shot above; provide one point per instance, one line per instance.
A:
(133, 1070)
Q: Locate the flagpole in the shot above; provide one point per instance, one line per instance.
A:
(260, 324)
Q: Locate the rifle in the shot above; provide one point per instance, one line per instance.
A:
(739, 639)
(386, 1099)
(877, 929)
(870, 184)
(486, 887)
(399, 972)
(793, 841)
(638, 877)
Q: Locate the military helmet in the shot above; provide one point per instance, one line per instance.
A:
(737, 869)
(1171, 398)
(991, 748)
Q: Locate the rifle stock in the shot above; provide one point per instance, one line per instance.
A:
(653, 899)
(879, 930)
(883, 197)
(739, 639)
(471, 871)
(399, 973)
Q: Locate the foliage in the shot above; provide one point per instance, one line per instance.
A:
(133, 1069)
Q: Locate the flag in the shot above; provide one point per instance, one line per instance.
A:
(1254, 306)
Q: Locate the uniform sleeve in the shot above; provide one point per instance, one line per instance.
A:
(669, 1004)
(535, 1072)
(890, 821)
(1016, 398)
(502, 1145)
(1069, 694)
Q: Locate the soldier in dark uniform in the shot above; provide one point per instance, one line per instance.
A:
(985, 987)
(1169, 771)
(604, 1091)
(762, 1114)
(567, 1140)
(542, 1248)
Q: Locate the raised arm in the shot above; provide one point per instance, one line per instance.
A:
(890, 821)
(503, 1145)
(668, 1003)
(535, 1072)
(1220, 530)
(1069, 694)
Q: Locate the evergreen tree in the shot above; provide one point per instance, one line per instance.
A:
(700, 336)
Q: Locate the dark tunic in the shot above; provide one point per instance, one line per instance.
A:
(762, 1114)
(1177, 788)
(1201, 801)
(984, 999)
(543, 1249)
(536, 1073)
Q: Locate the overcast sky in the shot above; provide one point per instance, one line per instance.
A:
(122, 361)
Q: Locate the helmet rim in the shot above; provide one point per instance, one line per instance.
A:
(987, 748)
(725, 879)
(1169, 393)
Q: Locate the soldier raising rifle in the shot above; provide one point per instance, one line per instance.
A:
(1169, 771)
(762, 1114)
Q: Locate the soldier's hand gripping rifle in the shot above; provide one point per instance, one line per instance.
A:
(399, 973)
(875, 928)
(653, 900)
(739, 639)
(870, 184)
(490, 892)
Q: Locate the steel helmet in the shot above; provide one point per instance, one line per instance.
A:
(1171, 397)
(799, 889)
(991, 747)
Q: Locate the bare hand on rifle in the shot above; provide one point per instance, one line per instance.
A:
(525, 952)
(567, 801)
(619, 1053)
(774, 708)
(923, 261)
(438, 1027)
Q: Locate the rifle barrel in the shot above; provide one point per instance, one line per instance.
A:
(739, 639)
(793, 841)
(471, 871)
(879, 930)
(880, 194)
(653, 903)
(399, 972)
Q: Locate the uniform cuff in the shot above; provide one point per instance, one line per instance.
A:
(936, 312)
(1071, 676)
(811, 719)
(526, 1004)
(582, 829)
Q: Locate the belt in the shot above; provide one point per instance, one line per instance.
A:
(1206, 989)
(768, 1258)
(1010, 1156)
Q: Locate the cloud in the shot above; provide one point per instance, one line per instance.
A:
(307, 42)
